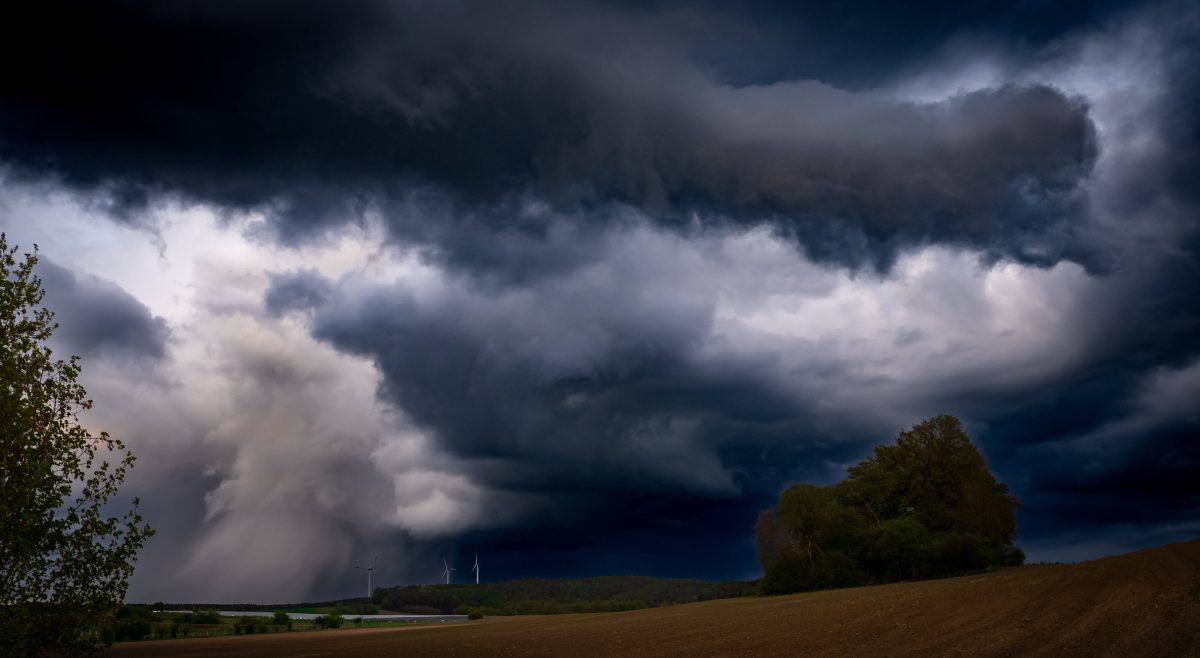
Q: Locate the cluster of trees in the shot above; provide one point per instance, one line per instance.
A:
(541, 596)
(924, 507)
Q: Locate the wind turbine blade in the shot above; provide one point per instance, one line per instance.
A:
(373, 561)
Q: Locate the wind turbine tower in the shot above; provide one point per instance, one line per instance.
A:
(476, 567)
(446, 573)
(369, 570)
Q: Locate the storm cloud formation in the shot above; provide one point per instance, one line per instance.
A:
(313, 117)
(584, 284)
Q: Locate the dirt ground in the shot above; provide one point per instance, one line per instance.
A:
(1141, 604)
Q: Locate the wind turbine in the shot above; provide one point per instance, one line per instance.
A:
(476, 567)
(369, 570)
(446, 573)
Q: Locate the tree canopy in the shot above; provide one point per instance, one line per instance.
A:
(64, 562)
(923, 507)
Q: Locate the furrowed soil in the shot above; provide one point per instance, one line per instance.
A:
(1141, 604)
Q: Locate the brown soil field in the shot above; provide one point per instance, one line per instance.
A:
(1141, 604)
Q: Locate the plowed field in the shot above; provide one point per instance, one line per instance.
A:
(1141, 604)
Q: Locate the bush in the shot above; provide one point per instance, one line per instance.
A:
(474, 614)
(280, 618)
(250, 625)
(133, 623)
(132, 630)
(205, 617)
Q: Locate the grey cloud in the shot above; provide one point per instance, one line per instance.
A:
(98, 319)
(269, 467)
(296, 291)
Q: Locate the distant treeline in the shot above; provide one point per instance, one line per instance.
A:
(360, 606)
(924, 507)
(548, 596)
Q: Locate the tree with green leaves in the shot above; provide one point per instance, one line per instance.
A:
(922, 507)
(808, 541)
(64, 562)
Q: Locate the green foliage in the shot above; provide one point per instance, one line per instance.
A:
(352, 608)
(331, 620)
(902, 549)
(250, 625)
(806, 542)
(202, 617)
(280, 618)
(133, 623)
(64, 564)
(924, 507)
(543, 596)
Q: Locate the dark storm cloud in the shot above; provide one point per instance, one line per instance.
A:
(862, 44)
(662, 535)
(592, 393)
(315, 114)
(535, 424)
(97, 318)
(296, 291)
(1114, 444)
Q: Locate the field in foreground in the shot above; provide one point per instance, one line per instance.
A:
(1141, 604)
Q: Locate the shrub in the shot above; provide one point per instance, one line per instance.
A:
(205, 617)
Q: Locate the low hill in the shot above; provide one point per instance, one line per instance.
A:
(541, 596)
(1141, 604)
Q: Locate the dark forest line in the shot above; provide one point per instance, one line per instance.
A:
(539, 596)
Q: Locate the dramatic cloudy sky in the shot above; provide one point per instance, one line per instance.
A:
(582, 285)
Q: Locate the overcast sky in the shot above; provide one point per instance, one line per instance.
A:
(582, 286)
